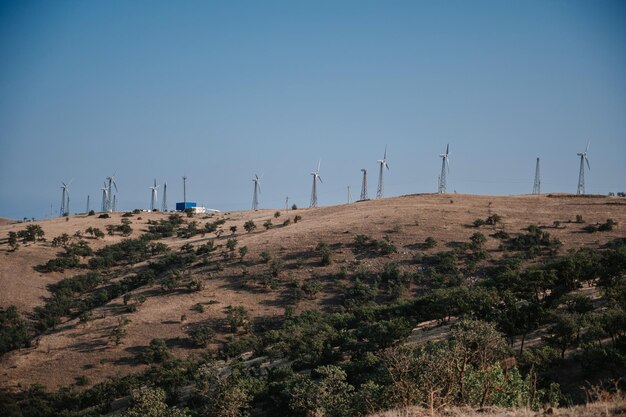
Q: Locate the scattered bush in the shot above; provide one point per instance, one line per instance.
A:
(249, 226)
(324, 251)
(430, 242)
(265, 257)
(156, 352)
(236, 317)
(202, 335)
(32, 233)
(15, 332)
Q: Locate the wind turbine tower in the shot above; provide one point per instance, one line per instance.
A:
(164, 205)
(65, 199)
(445, 169)
(114, 207)
(105, 198)
(349, 195)
(110, 204)
(364, 185)
(185, 191)
(153, 195)
(537, 184)
(257, 191)
(581, 174)
(87, 205)
(316, 176)
(383, 163)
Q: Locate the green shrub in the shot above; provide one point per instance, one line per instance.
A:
(430, 242)
(265, 256)
(324, 251)
(249, 226)
(15, 332)
(156, 352)
(202, 335)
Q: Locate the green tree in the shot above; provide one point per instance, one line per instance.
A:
(231, 244)
(202, 335)
(249, 226)
(477, 240)
(13, 245)
(156, 352)
(150, 402)
(236, 317)
(562, 334)
(219, 394)
(15, 332)
(328, 395)
(243, 251)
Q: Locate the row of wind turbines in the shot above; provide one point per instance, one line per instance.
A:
(109, 198)
(442, 180)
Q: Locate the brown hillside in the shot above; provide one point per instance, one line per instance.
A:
(75, 349)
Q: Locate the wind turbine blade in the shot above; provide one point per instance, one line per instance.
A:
(318, 165)
(385, 156)
(587, 148)
(586, 159)
(320, 178)
(387, 165)
(448, 165)
(259, 186)
(447, 148)
(115, 185)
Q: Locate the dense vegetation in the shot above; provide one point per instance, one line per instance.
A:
(362, 354)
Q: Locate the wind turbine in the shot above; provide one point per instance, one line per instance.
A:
(581, 174)
(537, 183)
(445, 169)
(164, 204)
(257, 191)
(105, 197)
(383, 163)
(153, 200)
(316, 176)
(364, 185)
(65, 199)
(111, 181)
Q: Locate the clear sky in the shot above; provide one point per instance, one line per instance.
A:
(219, 91)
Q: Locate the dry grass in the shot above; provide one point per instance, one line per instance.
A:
(611, 405)
(76, 349)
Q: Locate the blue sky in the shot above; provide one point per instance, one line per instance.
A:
(219, 91)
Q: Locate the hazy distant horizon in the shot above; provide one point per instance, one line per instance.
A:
(220, 92)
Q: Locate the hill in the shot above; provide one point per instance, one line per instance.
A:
(95, 311)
